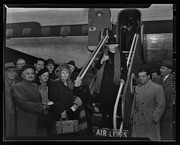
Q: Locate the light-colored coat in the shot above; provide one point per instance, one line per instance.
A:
(28, 104)
(9, 111)
(167, 117)
(148, 106)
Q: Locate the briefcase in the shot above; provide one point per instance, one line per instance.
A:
(66, 126)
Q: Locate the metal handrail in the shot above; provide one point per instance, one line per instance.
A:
(131, 54)
(132, 46)
(92, 57)
(115, 108)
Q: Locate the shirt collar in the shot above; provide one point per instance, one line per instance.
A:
(165, 77)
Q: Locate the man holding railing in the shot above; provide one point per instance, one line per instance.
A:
(108, 80)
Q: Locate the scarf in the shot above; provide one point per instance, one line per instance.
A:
(117, 71)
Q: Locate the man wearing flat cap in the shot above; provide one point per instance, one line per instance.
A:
(167, 84)
(10, 72)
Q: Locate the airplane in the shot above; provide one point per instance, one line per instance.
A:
(65, 34)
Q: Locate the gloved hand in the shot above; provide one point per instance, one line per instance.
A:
(78, 82)
(78, 101)
(72, 114)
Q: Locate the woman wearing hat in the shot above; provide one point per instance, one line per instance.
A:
(28, 104)
(42, 79)
(108, 79)
(66, 105)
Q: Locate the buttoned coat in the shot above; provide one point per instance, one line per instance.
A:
(167, 117)
(148, 106)
(28, 107)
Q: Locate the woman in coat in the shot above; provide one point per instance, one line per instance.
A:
(61, 94)
(28, 104)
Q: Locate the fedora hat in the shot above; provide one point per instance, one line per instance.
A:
(111, 41)
(24, 68)
(10, 65)
(167, 63)
(71, 63)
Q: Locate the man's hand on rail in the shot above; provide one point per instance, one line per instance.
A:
(122, 81)
(104, 58)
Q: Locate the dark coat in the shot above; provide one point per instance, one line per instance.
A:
(108, 90)
(148, 106)
(28, 106)
(61, 95)
(167, 117)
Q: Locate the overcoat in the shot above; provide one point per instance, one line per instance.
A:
(167, 117)
(148, 106)
(61, 96)
(9, 110)
(108, 90)
(28, 107)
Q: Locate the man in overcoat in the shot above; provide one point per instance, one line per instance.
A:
(109, 76)
(148, 106)
(10, 72)
(167, 84)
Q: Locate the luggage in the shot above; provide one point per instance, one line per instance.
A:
(65, 126)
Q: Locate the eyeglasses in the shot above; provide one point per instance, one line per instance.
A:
(10, 71)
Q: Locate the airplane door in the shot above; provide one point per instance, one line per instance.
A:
(98, 19)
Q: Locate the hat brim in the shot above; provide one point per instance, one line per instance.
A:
(24, 68)
(166, 65)
(11, 68)
(112, 43)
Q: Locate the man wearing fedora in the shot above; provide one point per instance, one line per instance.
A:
(108, 79)
(167, 84)
(10, 72)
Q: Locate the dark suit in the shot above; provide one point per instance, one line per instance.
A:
(167, 117)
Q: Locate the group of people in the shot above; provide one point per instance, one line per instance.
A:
(33, 89)
(37, 88)
(152, 110)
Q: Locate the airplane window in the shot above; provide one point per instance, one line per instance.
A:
(45, 31)
(26, 32)
(9, 33)
(85, 30)
(65, 30)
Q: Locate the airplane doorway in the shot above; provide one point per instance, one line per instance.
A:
(128, 23)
